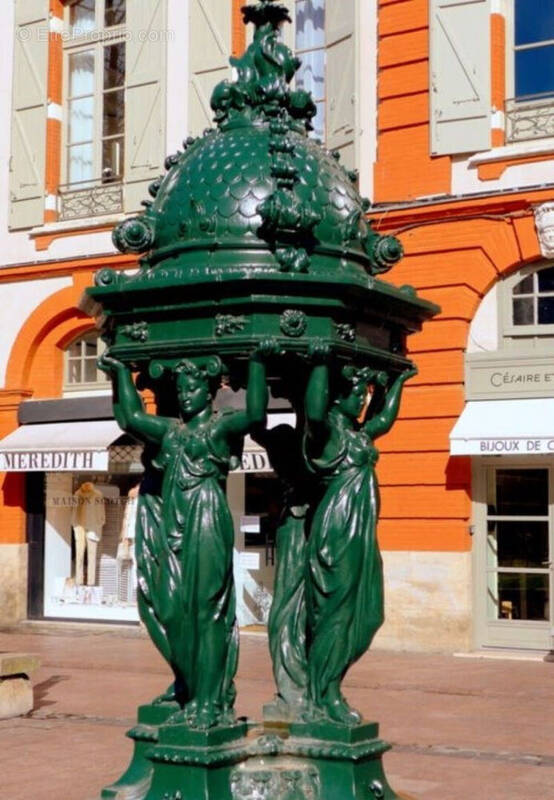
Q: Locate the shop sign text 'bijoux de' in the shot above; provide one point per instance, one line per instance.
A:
(505, 447)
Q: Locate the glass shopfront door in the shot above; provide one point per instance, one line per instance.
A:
(516, 548)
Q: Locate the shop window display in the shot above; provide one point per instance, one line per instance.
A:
(88, 518)
(518, 544)
(257, 535)
(89, 567)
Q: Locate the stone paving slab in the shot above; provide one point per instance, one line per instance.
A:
(462, 728)
(18, 664)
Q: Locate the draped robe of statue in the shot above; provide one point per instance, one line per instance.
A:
(185, 532)
(287, 618)
(345, 571)
(185, 563)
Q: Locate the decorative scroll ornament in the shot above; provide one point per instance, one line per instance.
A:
(271, 784)
(227, 323)
(293, 322)
(138, 331)
(346, 331)
(293, 259)
(528, 121)
(378, 789)
(383, 251)
(264, 73)
(350, 227)
(94, 201)
(135, 235)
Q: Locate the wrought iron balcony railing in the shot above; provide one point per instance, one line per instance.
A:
(90, 199)
(529, 118)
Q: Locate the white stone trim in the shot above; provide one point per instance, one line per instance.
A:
(498, 119)
(56, 25)
(51, 202)
(177, 76)
(54, 111)
(513, 151)
(77, 225)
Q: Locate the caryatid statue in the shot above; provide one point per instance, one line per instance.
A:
(185, 534)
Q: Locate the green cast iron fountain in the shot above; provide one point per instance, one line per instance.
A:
(259, 269)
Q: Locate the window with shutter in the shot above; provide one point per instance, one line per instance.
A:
(28, 136)
(114, 105)
(342, 76)
(460, 76)
(530, 80)
(145, 109)
(323, 36)
(310, 43)
(210, 50)
(288, 31)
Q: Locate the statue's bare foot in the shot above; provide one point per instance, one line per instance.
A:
(311, 712)
(169, 696)
(199, 717)
(339, 711)
(206, 717)
(227, 717)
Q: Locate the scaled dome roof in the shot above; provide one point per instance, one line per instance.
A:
(257, 183)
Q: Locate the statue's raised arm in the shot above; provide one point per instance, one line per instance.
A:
(128, 406)
(253, 417)
(382, 422)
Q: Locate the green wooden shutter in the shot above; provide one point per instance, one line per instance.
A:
(460, 59)
(28, 137)
(145, 105)
(210, 50)
(341, 79)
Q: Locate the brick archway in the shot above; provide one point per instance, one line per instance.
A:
(35, 362)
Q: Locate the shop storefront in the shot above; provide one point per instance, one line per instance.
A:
(507, 428)
(513, 530)
(82, 476)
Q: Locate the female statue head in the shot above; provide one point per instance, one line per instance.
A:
(354, 391)
(197, 385)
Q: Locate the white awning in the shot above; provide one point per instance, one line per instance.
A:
(59, 447)
(504, 427)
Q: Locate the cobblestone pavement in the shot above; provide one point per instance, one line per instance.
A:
(461, 727)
